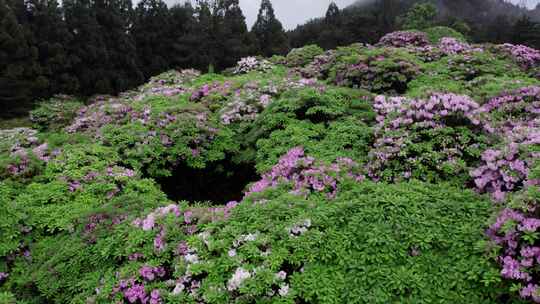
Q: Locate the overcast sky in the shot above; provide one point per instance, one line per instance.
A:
(294, 12)
(291, 12)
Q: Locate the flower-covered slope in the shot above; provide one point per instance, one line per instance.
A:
(404, 172)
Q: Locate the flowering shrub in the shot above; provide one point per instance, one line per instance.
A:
(343, 196)
(453, 46)
(248, 102)
(297, 247)
(301, 56)
(404, 39)
(55, 113)
(515, 236)
(525, 56)
(330, 124)
(168, 132)
(306, 175)
(434, 139)
(170, 83)
(320, 66)
(435, 34)
(514, 116)
(379, 71)
(248, 64)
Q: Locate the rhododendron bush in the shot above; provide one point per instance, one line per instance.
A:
(402, 172)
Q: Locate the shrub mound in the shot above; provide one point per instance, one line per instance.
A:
(401, 172)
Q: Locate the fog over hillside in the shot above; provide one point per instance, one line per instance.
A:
(294, 12)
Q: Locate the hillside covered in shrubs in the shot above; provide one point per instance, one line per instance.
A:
(402, 172)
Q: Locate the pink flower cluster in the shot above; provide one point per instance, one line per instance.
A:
(404, 39)
(519, 260)
(525, 56)
(305, 174)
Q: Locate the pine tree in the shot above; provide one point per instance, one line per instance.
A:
(525, 31)
(87, 48)
(182, 34)
(19, 70)
(150, 31)
(333, 15)
(114, 18)
(268, 31)
(231, 33)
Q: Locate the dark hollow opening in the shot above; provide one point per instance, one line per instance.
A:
(220, 182)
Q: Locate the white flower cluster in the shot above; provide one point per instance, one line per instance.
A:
(248, 64)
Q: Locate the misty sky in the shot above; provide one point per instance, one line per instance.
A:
(294, 12)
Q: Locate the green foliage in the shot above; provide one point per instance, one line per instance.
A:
(437, 32)
(408, 243)
(10, 220)
(329, 125)
(299, 57)
(55, 113)
(479, 75)
(380, 70)
(420, 16)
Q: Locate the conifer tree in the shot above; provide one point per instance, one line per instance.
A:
(231, 33)
(87, 48)
(50, 36)
(150, 32)
(182, 34)
(333, 15)
(268, 31)
(525, 31)
(19, 70)
(114, 18)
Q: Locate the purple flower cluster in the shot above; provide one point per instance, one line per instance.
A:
(514, 117)
(320, 66)
(404, 39)
(135, 292)
(150, 273)
(378, 72)
(149, 222)
(452, 46)
(167, 84)
(519, 259)
(525, 56)
(305, 174)
(501, 172)
(398, 118)
(21, 144)
(92, 117)
(217, 88)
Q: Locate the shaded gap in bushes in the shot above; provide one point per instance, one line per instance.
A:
(220, 182)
